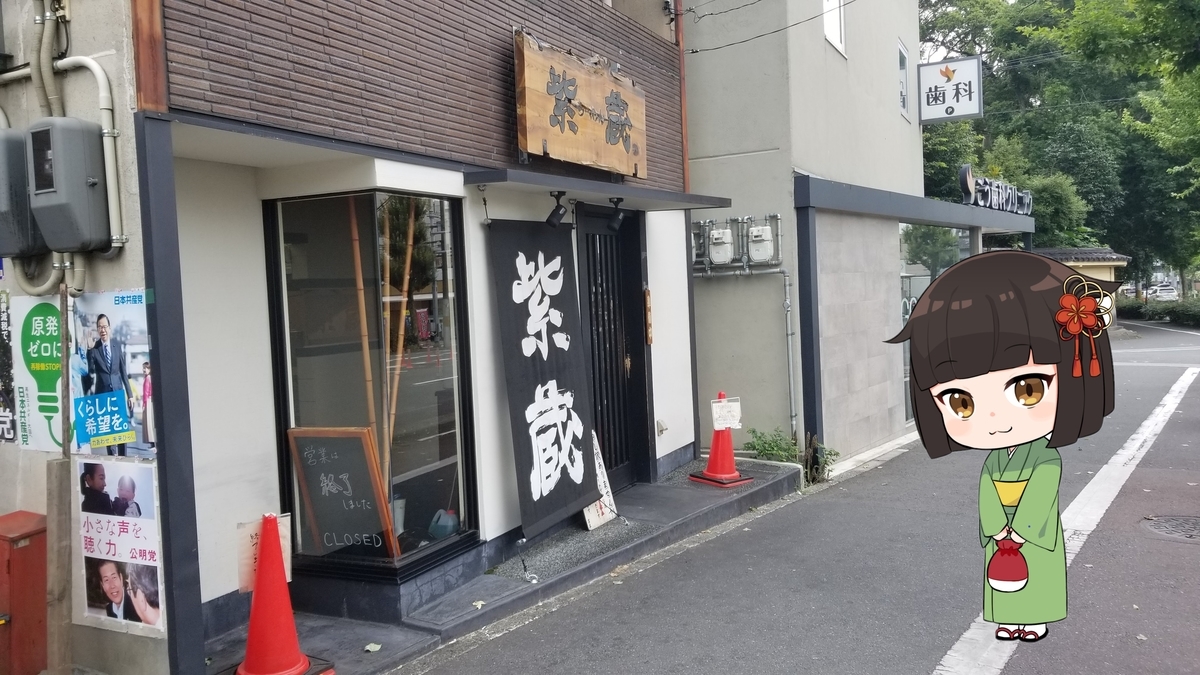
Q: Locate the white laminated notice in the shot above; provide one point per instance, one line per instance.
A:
(727, 413)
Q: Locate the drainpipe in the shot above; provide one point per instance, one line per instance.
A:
(46, 62)
(687, 171)
(789, 334)
(35, 55)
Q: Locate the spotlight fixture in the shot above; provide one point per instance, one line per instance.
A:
(556, 215)
(614, 221)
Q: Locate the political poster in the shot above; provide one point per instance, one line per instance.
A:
(545, 368)
(119, 540)
(111, 383)
(37, 372)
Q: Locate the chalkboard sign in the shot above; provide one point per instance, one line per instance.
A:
(345, 507)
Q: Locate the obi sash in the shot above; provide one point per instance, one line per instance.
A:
(1010, 491)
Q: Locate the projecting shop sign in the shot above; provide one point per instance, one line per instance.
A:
(951, 90)
(583, 112)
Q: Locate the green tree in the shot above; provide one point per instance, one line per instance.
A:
(422, 268)
(934, 247)
(947, 147)
(1087, 153)
(1059, 212)
(1006, 160)
(1174, 123)
(1151, 35)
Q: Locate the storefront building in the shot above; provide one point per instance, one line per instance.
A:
(799, 284)
(313, 193)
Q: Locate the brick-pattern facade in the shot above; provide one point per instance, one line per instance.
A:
(433, 77)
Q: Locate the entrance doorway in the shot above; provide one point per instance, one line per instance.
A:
(612, 305)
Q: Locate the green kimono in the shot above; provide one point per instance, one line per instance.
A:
(1022, 492)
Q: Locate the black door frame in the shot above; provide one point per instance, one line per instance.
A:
(631, 237)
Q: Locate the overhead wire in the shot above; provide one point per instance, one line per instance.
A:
(777, 30)
(697, 18)
(1056, 107)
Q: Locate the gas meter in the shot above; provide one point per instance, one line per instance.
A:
(67, 195)
(720, 246)
(762, 245)
(19, 235)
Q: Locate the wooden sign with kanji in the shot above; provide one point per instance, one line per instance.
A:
(578, 111)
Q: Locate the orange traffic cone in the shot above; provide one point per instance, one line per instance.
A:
(272, 648)
(721, 470)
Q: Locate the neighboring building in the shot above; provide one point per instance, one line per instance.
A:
(307, 190)
(1101, 263)
(808, 133)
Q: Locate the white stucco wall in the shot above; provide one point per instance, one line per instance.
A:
(234, 453)
(669, 266)
(846, 123)
(499, 509)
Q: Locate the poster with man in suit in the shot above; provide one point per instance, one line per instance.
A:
(110, 342)
(107, 369)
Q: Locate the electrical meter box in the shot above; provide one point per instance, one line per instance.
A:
(762, 245)
(19, 236)
(720, 246)
(67, 192)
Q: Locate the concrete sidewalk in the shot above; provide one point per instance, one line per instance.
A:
(654, 517)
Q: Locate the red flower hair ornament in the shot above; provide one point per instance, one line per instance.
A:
(1086, 309)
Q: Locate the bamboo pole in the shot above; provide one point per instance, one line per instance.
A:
(387, 315)
(395, 391)
(362, 313)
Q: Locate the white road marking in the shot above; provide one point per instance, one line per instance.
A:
(978, 652)
(1154, 365)
(1173, 330)
(851, 463)
(1154, 350)
(440, 379)
(436, 435)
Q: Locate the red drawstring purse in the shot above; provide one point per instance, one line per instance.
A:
(1007, 571)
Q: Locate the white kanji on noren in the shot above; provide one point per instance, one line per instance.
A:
(554, 429)
(536, 284)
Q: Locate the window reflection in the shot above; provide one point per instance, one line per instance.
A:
(372, 343)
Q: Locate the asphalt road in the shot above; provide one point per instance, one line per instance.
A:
(882, 572)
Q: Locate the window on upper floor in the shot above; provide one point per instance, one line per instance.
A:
(835, 23)
(904, 110)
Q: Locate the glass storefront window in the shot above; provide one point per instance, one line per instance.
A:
(372, 342)
(925, 252)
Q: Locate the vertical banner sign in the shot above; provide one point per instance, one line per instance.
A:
(119, 539)
(545, 370)
(8, 410)
(36, 365)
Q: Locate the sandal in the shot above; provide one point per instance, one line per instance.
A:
(1032, 636)
(1008, 634)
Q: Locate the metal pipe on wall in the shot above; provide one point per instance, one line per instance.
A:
(116, 227)
(35, 55)
(683, 120)
(46, 62)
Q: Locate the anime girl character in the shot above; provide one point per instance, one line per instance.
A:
(1009, 354)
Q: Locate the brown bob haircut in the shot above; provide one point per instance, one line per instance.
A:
(990, 312)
